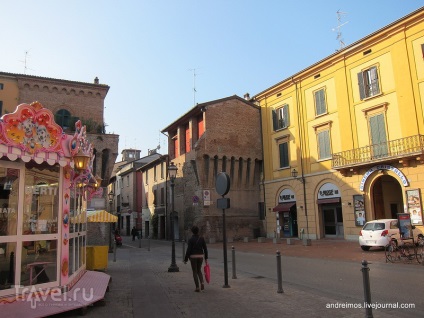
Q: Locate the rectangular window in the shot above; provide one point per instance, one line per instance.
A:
(280, 117)
(320, 105)
(187, 139)
(1, 107)
(324, 150)
(128, 181)
(200, 126)
(378, 136)
(146, 173)
(283, 149)
(422, 50)
(176, 145)
(155, 197)
(368, 83)
(162, 196)
(154, 173)
(1, 86)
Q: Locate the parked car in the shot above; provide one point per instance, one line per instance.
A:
(378, 233)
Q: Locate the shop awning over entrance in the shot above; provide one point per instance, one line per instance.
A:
(283, 207)
(327, 201)
(101, 216)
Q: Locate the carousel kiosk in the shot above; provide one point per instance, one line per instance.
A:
(45, 182)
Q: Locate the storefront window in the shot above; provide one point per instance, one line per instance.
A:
(7, 259)
(41, 202)
(39, 264)
(9, 194)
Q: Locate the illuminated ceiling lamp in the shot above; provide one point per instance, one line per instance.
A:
(81, 161)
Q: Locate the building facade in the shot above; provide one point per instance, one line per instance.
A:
(69, 101)
(128, 199)
(343, 139)
(221, 135)
(152, 193)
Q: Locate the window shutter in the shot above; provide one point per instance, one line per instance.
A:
(374, 80)
(284, 155)
(378, 135)
(320, 102)
(361, 86)
(324, 144)
(286, 116)
(274, 119)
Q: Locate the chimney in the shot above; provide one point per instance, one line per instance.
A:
(247, 96)
(96, 80)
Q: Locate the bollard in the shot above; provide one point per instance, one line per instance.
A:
(114, 252)
(148, 243)
(183, 250)
(279, 276)
(367, 291)
(233, 251)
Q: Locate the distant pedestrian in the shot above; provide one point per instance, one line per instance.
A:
(196, 250)
(134, 233)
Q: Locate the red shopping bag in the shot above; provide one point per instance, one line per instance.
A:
(207, 271)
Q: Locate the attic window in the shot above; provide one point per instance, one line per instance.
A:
(279, 94)
(317, 76)
(367, 52)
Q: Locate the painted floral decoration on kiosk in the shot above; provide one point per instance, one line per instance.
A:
(33, 129)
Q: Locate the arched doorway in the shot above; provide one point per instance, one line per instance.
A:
(386, 197)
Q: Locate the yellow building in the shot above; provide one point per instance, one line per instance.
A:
(352, 127)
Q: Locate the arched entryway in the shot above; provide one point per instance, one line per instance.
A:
(387, 198)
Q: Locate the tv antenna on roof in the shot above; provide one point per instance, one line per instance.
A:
(25, 62)
(194, 85)
(338, 27)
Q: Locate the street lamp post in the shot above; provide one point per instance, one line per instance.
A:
(294, 174)
(110, 224)
(172, 171)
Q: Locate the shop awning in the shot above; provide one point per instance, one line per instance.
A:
(327, 201)
(80, 218)
(283, 207)
(99, 216)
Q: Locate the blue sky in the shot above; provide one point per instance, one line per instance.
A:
(148, 51)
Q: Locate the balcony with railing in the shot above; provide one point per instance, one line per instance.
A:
(403, 149)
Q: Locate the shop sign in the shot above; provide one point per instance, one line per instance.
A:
(383, 167)
(286, 195)
(328, 191)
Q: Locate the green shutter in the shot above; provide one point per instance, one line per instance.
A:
(274, 119)
(320, 102)
(324, 144)
(286, 116)
(284, 154)
(378, 136)
(361, 86)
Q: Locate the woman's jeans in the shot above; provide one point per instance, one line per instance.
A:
(196, 266)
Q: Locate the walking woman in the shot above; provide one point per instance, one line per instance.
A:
(196, 250)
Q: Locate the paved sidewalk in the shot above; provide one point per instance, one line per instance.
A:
(142, 287)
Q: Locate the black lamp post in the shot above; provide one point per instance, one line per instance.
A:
(172, 172)
(110, 195)
(294, 174)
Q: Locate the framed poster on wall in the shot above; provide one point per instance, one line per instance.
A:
(359, 210)
(414, 206)
(405, 227)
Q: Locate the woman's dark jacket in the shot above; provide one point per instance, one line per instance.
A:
(196, 245)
